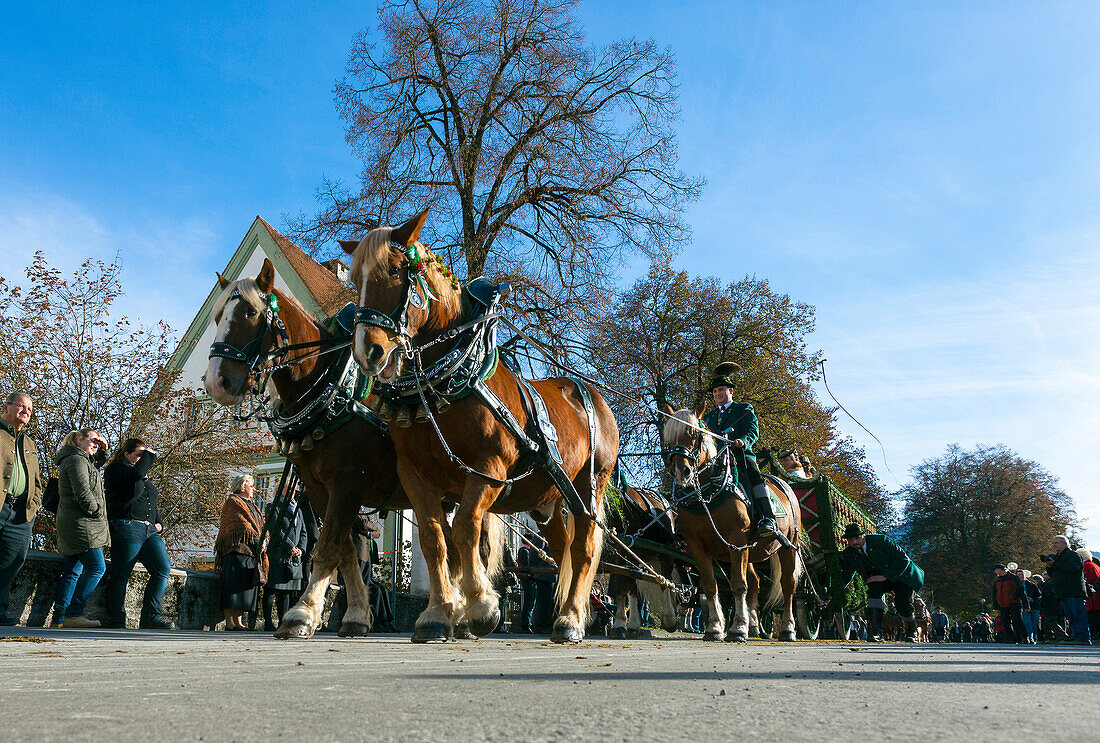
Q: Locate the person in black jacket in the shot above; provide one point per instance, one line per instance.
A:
(1067, 570)
(289, 539)
(136, 529)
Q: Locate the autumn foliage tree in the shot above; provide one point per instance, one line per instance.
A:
(969, 510)
(660, 341)
(544, 159)
(87, 367)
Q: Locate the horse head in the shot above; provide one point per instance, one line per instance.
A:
(688, 447)
(405, 293)
(245, 314)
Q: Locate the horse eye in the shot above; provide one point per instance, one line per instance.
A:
(395, 271)
(250, 312)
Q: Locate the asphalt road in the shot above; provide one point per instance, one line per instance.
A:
(121, 686)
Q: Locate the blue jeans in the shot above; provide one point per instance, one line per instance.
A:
(1034, 625)
(133, 542)
(15, 540)
(1078, 619)
(1029, 625)
(80, 575)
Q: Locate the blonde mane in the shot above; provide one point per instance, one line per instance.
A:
(372, 257)
(250, 292)
(682, 427)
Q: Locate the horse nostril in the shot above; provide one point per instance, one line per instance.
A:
(375, 354)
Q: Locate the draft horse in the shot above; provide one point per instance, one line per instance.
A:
(414, 335)
(723, 530)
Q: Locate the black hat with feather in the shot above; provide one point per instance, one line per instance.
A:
(723, 375)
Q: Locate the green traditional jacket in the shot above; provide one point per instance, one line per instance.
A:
(884, 558)
(737, 422)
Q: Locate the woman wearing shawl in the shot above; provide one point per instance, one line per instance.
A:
(239, 553)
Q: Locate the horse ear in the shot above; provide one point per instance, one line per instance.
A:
(266, 278)
(700, 408)
(407, 233)
(665, 408)
(349, 246)
(222, 281)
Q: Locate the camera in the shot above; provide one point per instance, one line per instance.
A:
(1046, 558)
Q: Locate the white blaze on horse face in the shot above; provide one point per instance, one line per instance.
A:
(212, 382)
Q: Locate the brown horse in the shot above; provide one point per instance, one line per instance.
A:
(634, 516)
(726, 532)
(355, 466)
(407, 300)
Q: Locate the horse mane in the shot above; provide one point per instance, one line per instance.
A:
(371, 258)
(683, 424)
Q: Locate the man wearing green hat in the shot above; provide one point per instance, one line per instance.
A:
(885, 568)
(736, 421)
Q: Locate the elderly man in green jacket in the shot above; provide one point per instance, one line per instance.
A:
(886, 569)
(21, 490)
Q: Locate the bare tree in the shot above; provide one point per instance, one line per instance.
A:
(545, 160)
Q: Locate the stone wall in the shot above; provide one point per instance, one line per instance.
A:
(192, 599)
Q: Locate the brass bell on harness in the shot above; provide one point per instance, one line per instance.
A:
(307, 443)
(374, 404)
(295, 449)
(404, 417)
(318, 434)
(277, 447)
(386, 411)
(441, 404)
(421, 414)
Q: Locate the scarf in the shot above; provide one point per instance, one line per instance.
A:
(240, 526)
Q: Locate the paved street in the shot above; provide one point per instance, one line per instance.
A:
(195, 686)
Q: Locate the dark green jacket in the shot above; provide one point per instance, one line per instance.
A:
(884, 558)
(82, 506)
(738, 422)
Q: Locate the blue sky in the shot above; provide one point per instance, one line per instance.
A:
(926, 175)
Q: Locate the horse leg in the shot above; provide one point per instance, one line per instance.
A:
(753, 598)
(482, 606)
(788, 562)
(575, 575)
(634, 615)
(715, 622)
(334, 543)
(358, 618)
(434, 623)
(620, 592)
(739, 563)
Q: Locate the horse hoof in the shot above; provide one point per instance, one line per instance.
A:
(566, 634)
(737, 637)
(353, 629)
(294, 631)
(787, 637)
(712, 636)
(632, 634)
(485, 625)
(432, 632)
(618, 633)
(462, 632)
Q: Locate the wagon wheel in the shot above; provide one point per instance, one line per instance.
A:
(807, 611)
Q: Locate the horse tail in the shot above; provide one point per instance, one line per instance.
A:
(566, 568)
(775, 572)
(494, 525)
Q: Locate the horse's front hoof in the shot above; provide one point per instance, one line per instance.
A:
(353, 629)
(617, 633)
(432, 632)
(294, 630)
(484, 626)
(738, 636)
(566, 633)
(633, 634)
(712, 636)
(788, 636)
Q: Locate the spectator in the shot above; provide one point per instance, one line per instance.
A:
(288, 544)
(1067, 571)
(1008, 591)
(237, 550)
(1051, 619)
(538, 591)
(82, 530)
(135, 535)
(1029, 609)
(939, 625)
(22, 487)
(1092, 588)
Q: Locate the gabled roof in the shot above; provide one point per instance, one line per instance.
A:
(314, 286)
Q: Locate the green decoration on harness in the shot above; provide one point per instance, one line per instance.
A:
(413, 254)
(273, 302)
